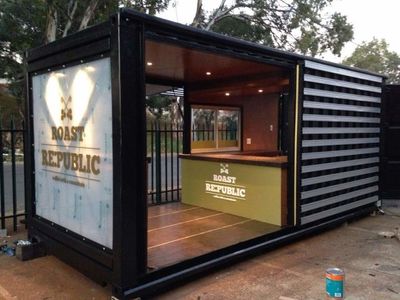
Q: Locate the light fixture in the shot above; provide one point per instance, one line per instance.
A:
(208, 73)
(260, 90)
(149, 63)
(227, 94)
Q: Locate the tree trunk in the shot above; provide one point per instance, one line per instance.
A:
(89, 12)
(72, 5)
(51, 27)
(199, 13)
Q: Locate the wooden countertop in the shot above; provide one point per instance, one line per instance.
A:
(241, 158)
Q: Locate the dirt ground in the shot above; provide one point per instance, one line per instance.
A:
(371, 263)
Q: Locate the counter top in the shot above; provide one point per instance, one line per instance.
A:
(241, 158)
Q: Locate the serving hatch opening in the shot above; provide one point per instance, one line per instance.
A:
(217, 124)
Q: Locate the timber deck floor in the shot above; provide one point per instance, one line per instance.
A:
(178, 231)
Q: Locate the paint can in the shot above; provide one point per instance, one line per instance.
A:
(334, 278)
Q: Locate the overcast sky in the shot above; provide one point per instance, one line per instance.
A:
(370, 18)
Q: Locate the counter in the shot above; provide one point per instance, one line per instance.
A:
(249, 185)
(248, 158)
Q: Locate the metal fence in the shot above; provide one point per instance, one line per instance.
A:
(164, 143)
(12, 193)
(206, 132)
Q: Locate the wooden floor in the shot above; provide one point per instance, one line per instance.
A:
(177, 232)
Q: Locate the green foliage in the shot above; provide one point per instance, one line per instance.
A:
(150, 7)
(242, 28)
(158, 105)
(23, 26)
(295, 25)
(9, 109)
(376, 57)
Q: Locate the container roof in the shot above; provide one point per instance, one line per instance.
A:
(179, 31)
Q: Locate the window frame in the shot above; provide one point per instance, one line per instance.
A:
(217, 108)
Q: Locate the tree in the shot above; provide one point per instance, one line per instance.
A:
(295, 25)
(376, 57)
(26, 24)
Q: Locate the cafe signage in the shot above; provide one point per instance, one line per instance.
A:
(224, 186)
(73, 149)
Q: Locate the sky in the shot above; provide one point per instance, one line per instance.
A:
(370, 18)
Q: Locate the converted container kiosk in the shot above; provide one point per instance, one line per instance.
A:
(301, 153)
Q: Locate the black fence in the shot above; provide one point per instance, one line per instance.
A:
(164, 143)
(205, 132)
(12, 192)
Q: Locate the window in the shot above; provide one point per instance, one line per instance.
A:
(215, 128)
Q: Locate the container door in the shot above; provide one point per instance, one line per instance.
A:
(390, 186)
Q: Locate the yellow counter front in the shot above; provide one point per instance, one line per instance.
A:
(252, 187)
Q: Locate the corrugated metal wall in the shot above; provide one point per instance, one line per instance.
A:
(340, 140)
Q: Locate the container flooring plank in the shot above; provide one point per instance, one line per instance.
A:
(178, 250)
(175, 237)
(188, 229)
(164, 209)
(180, 217)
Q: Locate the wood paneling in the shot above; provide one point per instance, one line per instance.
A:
(180, 64)
(178, 232)
(258, 113)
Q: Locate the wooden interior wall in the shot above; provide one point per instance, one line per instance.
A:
(259, 112)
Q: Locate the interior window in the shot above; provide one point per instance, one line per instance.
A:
(215, 129)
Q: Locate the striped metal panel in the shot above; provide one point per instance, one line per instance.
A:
(338, 187)
(340, 164)
(340, 175)
(340, 95)
(335, 118)
(327, 154)
(341, 83)
(338, 209)
(336, 142)
(341, 115)
(336, 199)
(340, 71)
(340, 130)
(334, 106)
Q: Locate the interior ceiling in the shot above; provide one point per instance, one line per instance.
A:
(167, 62)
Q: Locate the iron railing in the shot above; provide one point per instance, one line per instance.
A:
(164, 144)
(12, 194)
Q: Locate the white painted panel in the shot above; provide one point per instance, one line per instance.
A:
(337, 199)
(339, 95)
(73, 149)
(340, 175)
(338, 153)
(338, 187)
(339, 164)
(337, 210)
(336, 142)
(341, 119)
(341, 107)
(340, 130)
(341, 71)
(342, 83)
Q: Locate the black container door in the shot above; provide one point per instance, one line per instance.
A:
(390, 168)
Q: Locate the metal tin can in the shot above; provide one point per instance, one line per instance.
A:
(334, 278)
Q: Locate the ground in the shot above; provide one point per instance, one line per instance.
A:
(371, 263)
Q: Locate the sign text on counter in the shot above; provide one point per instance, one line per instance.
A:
(225, 187)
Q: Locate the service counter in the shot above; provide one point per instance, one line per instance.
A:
(248, 184)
